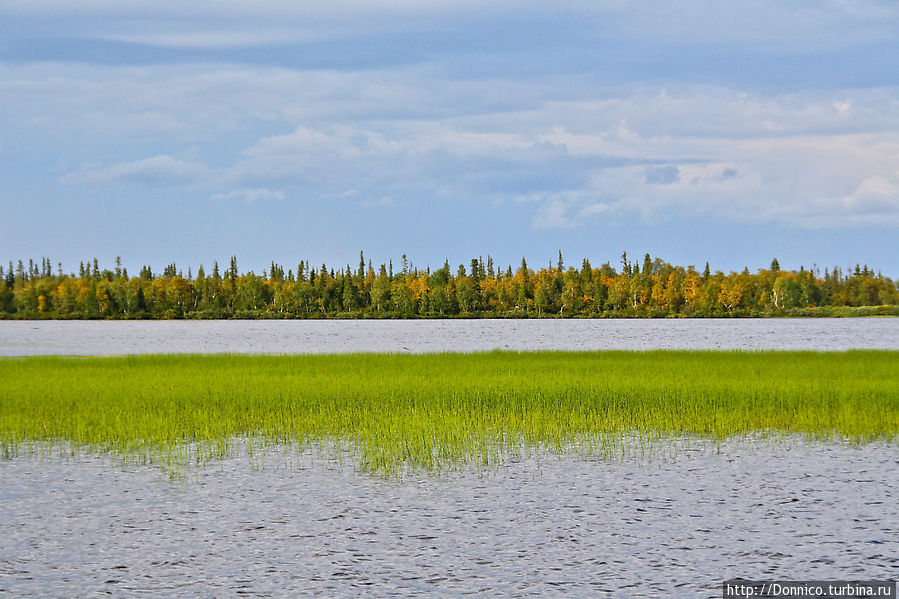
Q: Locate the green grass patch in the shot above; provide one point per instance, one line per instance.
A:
(440, 410)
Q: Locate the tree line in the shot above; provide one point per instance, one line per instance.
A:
(654, 288)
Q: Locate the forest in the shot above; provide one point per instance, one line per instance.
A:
(653, 289)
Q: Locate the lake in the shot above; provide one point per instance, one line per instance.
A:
(341, 336)
(543, 526)
(289, 523)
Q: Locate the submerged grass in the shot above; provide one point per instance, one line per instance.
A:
(440, 410)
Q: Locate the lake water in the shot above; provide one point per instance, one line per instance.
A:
(543, 527)
(333, 336)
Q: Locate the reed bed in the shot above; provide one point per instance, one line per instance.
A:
(436, 411)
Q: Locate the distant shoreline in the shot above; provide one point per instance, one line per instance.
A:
(657, 289)
(884, 311)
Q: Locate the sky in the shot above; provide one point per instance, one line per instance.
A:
(729, 132)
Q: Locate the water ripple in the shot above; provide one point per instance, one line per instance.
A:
(18, 338)
(542, 526)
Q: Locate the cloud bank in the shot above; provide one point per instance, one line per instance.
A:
(556, 119)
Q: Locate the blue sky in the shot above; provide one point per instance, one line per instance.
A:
(724, 131)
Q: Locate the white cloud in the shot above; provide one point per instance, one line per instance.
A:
(251, 195)
(156, 171)
(595, 209)
(798, 159)
(305, 141)
(553, 214)
(874, 195)
(384, 202)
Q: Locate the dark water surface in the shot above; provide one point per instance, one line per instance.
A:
(542, 527)
(416, 336)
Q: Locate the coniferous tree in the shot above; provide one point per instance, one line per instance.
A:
(475, 272)
(658, 288)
